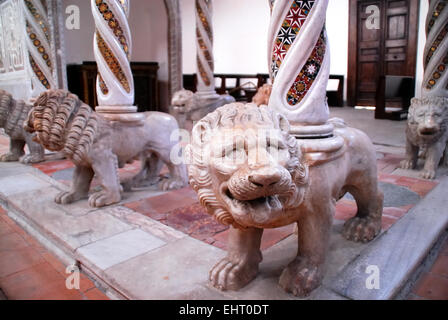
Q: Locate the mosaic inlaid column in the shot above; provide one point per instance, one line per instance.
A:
(39, 48)
(204, 49)
(435, 79)
(299, 61)
(112, 47)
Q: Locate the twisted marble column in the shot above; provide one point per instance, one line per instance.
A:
(39, 47)
(204, 49)
(112, 47)
(299, 61)
(435, 79)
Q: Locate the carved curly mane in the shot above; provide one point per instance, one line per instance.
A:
(229, 116)
(12, 114)
(63, 122)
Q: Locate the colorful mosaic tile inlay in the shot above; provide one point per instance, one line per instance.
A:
(288, 32)
(40, 20)
(202, 72)
(202, 45)
(39, 73)
(309, 72)
(435, 45)
(441, 68)
(112, 62)
(439, 8)
(113, 24)
(204, 21)
(103, 87)
(37, 43)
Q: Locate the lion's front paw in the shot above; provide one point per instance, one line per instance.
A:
(233, 274)
(361, 229)
(31, 158)
(103, 198)
(428, 174)
(301, 277)
(171, 184)
(407, 164)
(8, 157)
(67, 197)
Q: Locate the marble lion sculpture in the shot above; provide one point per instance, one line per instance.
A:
(263, 94)
(99, 147)
(187, 102)
(12, 116)
(250, 173)
(427, 129)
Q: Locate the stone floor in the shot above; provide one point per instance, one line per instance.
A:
(28, 271)
(130, 249)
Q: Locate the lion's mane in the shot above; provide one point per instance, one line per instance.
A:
(227, 117)
(63, 122)
(438, 103)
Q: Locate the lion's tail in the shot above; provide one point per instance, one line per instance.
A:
(58, 111)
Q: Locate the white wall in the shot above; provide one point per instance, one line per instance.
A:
(337, 30)
(240, 35)
(149, 28)
(424, 7)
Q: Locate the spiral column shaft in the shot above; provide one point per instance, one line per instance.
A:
(299, 64)
(38, 43)
(204, 49)
(112, 47)
(435, 78)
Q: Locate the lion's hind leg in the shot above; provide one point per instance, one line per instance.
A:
(177, 178)
(366, 225)
(148, 175)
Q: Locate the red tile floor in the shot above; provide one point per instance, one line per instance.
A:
(181, 210)
(30, 272)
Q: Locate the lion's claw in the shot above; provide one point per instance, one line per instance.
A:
(171, 184)
(65, 197)
(230, 274)
(428, 174)
(31, 158)
(407, 164)
(103, 198)
(361, 229)
(8, 157)
(300, 278)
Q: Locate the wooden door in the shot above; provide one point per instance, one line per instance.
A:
(388, 48)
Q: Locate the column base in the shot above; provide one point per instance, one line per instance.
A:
(207, 96)
(303, 131)
(125, 114)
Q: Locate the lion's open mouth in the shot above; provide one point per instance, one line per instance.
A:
(266, 204)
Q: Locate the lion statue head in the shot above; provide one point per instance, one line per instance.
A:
(183, 100)
(245, 166)
(428, 119)
(63, 122)
(263, 94)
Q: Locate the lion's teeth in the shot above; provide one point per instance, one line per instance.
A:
(274, 202)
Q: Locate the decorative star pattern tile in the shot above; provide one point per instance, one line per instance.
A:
(288, 32)
(309, 72)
